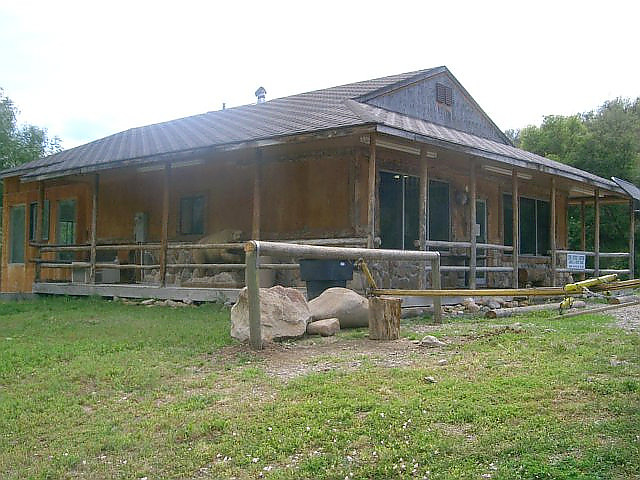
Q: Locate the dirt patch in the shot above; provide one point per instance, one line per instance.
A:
(628, 318)
(292, 359)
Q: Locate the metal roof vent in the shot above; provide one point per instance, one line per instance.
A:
(261, 93)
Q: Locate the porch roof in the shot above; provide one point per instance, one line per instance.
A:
(335, 108)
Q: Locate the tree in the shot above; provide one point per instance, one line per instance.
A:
(21, 143)
(606, 142)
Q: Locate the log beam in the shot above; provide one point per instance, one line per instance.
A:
(164, 240)
(552, 232)
(596, 234)
(94, 228)
(423, 212)
(257, 180)
(516, 225)
(39, 227)
(632, 239)
(472, 227)
(371, 211)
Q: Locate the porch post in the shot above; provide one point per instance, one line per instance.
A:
(583, 234)
(94, 228)
(596, 235)
(164, 239)
(423, 212)
(516, 225)
(39, 227)
(371, 212)
(552, 232)
(257, 178)
(632, 240)
(472, 227)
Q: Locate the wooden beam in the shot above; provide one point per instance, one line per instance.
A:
(632, 239)
(423, 211)
(39, 228)
(516, 225)
(253, 293)
(552, 232)
(356, 191)
(583, 233)
(371, 211)
(596, 235)
(94, 228)
(257, 180)
(472, 227)
(164, 240)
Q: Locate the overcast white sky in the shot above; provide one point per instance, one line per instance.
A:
(87, 69)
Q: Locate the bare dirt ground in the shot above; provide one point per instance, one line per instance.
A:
(628, 318)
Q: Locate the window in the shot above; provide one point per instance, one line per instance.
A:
(535, 227)
(444, 94)
(16, 233)
(192, 215)
(66, 226)
(439, 217)
(33, 221)
(400, 211)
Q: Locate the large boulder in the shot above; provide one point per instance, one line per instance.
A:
(351, 309)
(284, 313)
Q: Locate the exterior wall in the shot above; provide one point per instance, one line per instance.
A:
(319, 194)
(19, 277)
(419, 100)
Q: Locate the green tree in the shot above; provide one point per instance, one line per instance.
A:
(606, 142)
(21, 143)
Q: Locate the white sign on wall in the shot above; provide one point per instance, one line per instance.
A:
(576, 261)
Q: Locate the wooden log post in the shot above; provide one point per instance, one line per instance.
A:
(552, 231)
(384, 318)
(423, 213)
(164, 240)
(583, 234)
(253, 293)
(257, 180)
(39, 230)
(371, 210)
(436, 284)
(596, 233)
(516, 226)
(632, 240)
(473, 257)
(94, 228)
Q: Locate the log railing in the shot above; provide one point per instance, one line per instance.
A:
(597, 256)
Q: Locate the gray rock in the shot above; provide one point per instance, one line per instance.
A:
(493, 305)
(431, 341)
(284, 313)
(325, 328)
(351, 309)
(148, 301)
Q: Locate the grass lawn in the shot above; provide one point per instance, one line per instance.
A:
(96, 389)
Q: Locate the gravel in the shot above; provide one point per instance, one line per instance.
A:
(628, 318)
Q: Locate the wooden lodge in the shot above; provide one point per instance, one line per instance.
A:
(409, 161)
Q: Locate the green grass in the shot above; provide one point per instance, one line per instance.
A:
(104, 390)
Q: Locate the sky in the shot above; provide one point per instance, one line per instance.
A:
(87, 69)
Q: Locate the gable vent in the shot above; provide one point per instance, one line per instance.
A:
(444, 94)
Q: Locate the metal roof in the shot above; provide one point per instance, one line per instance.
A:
(331, 108)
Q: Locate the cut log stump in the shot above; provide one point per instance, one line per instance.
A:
(384, 318)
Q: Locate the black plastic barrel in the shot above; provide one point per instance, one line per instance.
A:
(322, 274)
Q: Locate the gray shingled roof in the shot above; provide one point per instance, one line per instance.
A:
(330, 108)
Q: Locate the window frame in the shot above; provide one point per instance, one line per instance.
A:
(191, 197)
(66, 256)
(536, 200)
(12, 238)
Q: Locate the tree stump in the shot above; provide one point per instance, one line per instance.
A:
(384, 318)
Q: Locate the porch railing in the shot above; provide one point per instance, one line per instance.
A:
(597, 256)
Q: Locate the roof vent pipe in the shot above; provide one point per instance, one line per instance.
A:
(261, 93)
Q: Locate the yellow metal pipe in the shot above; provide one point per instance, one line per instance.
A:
(510, 292)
